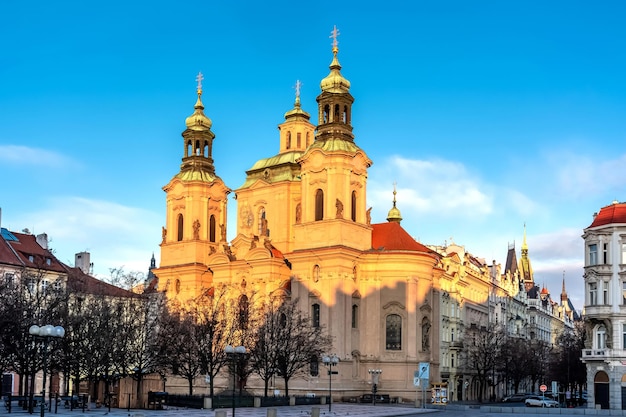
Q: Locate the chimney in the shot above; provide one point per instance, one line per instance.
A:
(42, 240)
(82, 261)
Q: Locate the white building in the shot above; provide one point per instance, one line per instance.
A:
(605, 307)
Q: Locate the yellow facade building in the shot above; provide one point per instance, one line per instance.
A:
(304, 229)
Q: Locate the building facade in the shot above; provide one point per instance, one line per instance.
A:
(605, 307)
(304, 232)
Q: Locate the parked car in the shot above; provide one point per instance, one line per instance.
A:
(515, 398)
(537, 401)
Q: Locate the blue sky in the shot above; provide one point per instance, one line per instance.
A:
(487, 114)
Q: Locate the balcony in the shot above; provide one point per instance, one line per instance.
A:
(598, 354)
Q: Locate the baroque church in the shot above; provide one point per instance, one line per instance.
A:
(304, 231)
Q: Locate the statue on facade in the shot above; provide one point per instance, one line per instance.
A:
(196, 229)
(339, 206)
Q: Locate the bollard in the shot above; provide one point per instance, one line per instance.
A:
(220, 413)
(257, 402)
(315, 412)
(271, 412)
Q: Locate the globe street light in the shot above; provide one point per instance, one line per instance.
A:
(234, 353)
(330, 361)
(375, 373)
(45, 333)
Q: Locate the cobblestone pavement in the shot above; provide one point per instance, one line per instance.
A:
(338, 410)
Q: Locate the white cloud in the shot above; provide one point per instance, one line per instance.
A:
(24, 155)
(436, 186)
(579, 175)
(114, 234)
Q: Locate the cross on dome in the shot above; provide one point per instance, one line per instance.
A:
(199, 79)
(297, 87)
(333, 34)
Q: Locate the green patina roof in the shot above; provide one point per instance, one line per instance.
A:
(196, 175)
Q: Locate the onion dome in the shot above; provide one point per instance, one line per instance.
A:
(198, 120)
(297, 110)
(394, 214)
(335, 82)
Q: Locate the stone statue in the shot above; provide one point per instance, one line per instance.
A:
(196, 229)
(163, 234)
(339, 206)
(368, 215)
(298, 213)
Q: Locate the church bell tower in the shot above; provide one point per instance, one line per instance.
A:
(195, 212)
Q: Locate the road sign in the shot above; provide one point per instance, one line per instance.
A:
(543, 388)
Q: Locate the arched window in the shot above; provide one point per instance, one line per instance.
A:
(319, 205)
(288, 145)
(336, 117)
(212, 228)
(326, 114)
(180, 227)
(353, 207)
(315, 315)
(344, 115)
(600, 337)
(393, 332)
(243, 312)
(314, 366)
(299, 140)
(355, 316)
(308, 143)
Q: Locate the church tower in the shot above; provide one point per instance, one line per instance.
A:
(269, 200)
(526, 270)
(195, 212)
(334, 172)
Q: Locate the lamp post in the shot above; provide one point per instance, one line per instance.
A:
(233, 353)
(375, 373)
(329, 362)
(45, 333)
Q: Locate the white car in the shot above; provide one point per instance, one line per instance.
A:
(536, 401)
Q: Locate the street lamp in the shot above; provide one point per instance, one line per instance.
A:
(375, 373)
(45, 333)
(330, 361)
(233, 353)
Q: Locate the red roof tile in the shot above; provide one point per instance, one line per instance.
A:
(391, 236)
(32, 255)
(80, 282)
(615, 213)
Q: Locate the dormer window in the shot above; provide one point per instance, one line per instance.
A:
(31, 258)
(48, 261)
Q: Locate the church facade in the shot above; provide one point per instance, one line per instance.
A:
(304, 232)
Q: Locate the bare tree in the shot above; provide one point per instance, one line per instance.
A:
(482, 347)
(266, 352)
(299, 342)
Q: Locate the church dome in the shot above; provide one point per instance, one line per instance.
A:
(198, 120)
(335, 82)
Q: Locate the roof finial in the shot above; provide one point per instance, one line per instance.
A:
(333, 34)
(297, 87)
(199, 79)
(394, 193)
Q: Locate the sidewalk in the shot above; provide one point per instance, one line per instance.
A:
(338, 410)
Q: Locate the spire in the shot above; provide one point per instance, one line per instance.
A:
(564, 296)
(394, 214)
(297, 110)
(335, 82)
(198, 142)
(524, 244)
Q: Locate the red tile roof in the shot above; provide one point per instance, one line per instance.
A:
(80, 282)
(391, 236)
(27, 248)
(615, 213)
